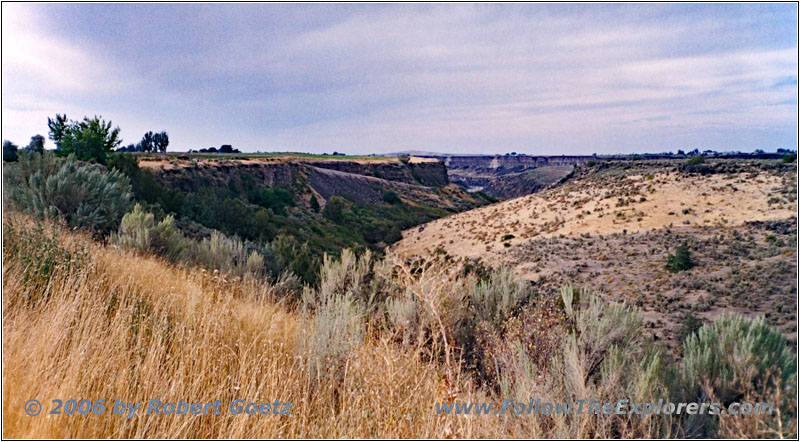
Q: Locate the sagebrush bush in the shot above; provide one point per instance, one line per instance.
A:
(229, 255)
(735, 353)
(84, 195)
(495, 298)
(139, 230)
(338, 323)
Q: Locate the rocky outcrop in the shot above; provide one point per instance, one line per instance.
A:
(514, 185)
(431, 174)
(505, 176)
(196, 176)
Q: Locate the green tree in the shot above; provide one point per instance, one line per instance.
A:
(90, 139)
(9, 151)
(334, 209)
(161, 141)
(36, 144)
(148, 142)
(681, 260)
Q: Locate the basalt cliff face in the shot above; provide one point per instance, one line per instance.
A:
(509, 176)
(364, 182)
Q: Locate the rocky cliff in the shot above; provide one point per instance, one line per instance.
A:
(508, 176)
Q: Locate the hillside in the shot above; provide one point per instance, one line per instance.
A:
(105, 297)
(612, 226)
(261, 198)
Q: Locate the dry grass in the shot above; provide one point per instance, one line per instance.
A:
(136, 328)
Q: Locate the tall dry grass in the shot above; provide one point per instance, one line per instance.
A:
(136, 328)
(367, 354)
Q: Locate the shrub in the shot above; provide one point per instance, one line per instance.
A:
(229, 255)
(789, 158)
(291, 256)
(734, 354)
(337, 326)
(314, 203)
(391, 197)
(508, 236)
(496, 298)
(690, 324)
(90, 139)
(139, 230)
(681, 260)
(334, 209)
(695, 160)
(84, 195)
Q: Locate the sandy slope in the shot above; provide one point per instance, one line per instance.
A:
(630, 204)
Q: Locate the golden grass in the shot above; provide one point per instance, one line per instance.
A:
(136, 328)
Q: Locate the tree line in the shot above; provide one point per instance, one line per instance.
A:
(90, 139)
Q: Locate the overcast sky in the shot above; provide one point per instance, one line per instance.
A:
(534, 78)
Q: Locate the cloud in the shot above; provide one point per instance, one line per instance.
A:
(459, 78)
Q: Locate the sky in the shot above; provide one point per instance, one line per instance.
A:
(543, 79)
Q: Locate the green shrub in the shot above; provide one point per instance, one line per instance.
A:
(139, 230)
(789, 158)
(496, 298)
(695, 160)
(291, 256)
(84, 195)
(733, 356)
(391, 197)
(334, 209)
(508, 236)
(90, 139)
(690, 324)
(681, 260)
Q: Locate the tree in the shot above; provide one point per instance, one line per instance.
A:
(36, 144)
(148, 142)
(90, 139)
(9, 151)
(334, 209)
(226, 148)
(161, 141)
(681, 260)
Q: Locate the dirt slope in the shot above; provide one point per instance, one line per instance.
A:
(612, 228)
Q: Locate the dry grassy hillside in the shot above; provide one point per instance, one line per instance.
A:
(613, 226)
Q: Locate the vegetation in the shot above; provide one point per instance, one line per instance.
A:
(390, 336)
(695, 160)
(90, 139)
(83, 195)
(9, 151)
(681, 260)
